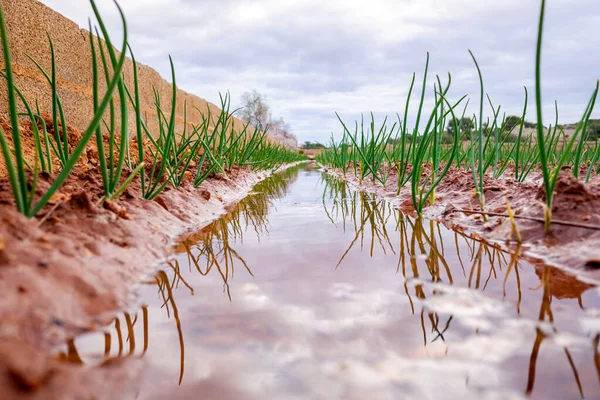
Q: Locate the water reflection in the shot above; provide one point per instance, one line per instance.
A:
(367, 214)
(341, 293)
(124, 332)
(213, 248)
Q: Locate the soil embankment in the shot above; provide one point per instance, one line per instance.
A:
(575, 239)
(70, 270)
(28, 22)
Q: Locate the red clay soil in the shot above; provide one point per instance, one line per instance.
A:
(74, 266)
(575, 249)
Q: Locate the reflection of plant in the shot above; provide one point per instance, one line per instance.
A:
(211, 249)
(418, 244)
(547, 315)
(165, 288)
(482, 264)
(214, 250)
(367, 213)
(335, 191)
(514, 265)
(253, 210)
(72, 355)
(162, 280)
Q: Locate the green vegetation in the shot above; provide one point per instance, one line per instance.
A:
(165, 157)
(308, 145)
(24, 189)
(423, 156)
(544, 145)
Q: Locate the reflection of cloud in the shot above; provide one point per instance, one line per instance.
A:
(252, 297)
(348, 344)
(330, 348)
(591, 321)
(434, 379)
(465, 303)
(505, 339)
(473, 307)
(569, 340)
(356, 374)
(349, 308)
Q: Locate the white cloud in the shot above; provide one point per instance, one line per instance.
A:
(312, 58)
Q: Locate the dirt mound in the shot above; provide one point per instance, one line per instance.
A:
(572, 198)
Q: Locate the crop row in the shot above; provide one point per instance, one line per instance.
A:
(164, 157)
(422, 157)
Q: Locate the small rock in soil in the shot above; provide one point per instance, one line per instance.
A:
(593, 264)
(205, 194)
(162, 202)
(117, 209)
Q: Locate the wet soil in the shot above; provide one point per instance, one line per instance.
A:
(310, 289)
(69, 270)
(575, 248)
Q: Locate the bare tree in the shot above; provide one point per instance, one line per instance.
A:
(255, 109)
(257, 112)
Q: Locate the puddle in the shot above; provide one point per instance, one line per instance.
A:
(310, 290)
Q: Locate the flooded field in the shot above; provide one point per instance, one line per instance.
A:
(311, 290)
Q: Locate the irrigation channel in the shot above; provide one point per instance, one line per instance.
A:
(308, 289)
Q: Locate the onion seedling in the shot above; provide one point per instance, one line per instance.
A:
(477, 170)
(551, 176)
(23, 193)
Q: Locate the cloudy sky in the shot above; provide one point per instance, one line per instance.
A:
(312, 58)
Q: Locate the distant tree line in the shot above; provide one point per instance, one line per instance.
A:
(467, 126)
(508, 134)
(594, 129)
(308, 145)
(595, 125)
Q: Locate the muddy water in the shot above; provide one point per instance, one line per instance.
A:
(310, 290)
